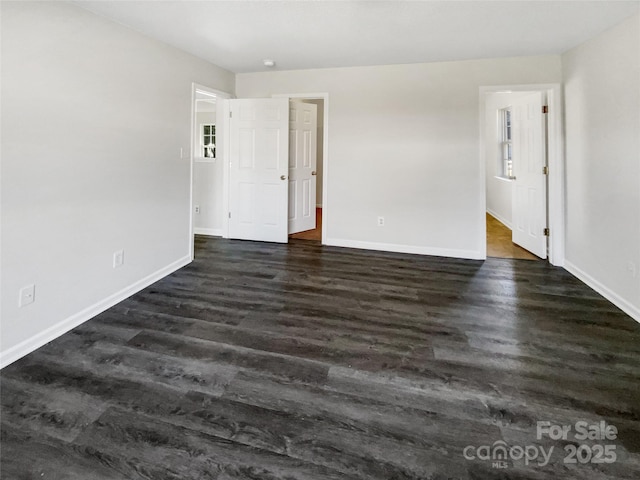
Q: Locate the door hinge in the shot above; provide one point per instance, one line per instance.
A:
(229, 214)
(545, 170)
(546, 232)
(545, 109)
(230, 114)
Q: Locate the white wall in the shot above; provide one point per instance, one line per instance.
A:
(499, 189)
(93, 119)
(602, 97)
(403, 144)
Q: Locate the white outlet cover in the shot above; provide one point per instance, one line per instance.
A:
(27, 295)
(118, 258)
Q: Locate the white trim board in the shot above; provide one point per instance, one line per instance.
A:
(210, 232)
(412, 249)
(621, 303)
(499, 218)
(38, 340)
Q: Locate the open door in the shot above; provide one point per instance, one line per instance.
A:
(303, 122)
(258, 167)
(529, 188)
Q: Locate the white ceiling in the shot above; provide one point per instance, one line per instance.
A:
(238, 35)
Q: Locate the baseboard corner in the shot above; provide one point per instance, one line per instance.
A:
(624, 305)
(209, 232)
(500, 218)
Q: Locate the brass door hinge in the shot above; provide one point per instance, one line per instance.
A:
(546, 232)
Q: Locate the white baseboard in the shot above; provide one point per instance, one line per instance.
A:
(391, 247)
(621, 303)
(501, 219)
(211, 232)
(27, 346)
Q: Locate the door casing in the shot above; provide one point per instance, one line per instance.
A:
(220, 97)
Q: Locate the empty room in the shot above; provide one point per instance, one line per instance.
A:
(369, 240)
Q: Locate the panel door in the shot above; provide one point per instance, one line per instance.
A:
(258, 187)
(529, 189)
(303, 122)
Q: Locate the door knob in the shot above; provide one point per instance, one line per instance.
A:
(313, 173)
(283, 177)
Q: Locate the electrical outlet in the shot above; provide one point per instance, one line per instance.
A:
(118, 258)
(197, 208)
(27, 295)
(381, 221)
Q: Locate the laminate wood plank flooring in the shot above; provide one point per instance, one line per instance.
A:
(499, 242)
(298, 361)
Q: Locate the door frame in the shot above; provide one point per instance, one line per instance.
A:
(325, 148)
(555, 162)
(220, 95)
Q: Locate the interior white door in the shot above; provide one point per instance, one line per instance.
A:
(303, 136)
(258, 187)
(529, 188)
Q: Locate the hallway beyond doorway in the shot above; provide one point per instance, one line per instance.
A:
(315, 234)
(499, 242)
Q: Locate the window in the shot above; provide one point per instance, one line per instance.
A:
(208, 141)
(506, 161)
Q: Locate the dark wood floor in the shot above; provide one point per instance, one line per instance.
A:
(262, 361)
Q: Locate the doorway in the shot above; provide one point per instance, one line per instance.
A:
(315, 232)
(207, 183)
(516, 190)
(321, 100)
(522, 171)
(259, 174)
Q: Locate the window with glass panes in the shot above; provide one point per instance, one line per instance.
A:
(208, 141)
(506, 162)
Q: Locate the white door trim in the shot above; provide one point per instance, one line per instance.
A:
(219, 94)
(555, 161)
(325, 150)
